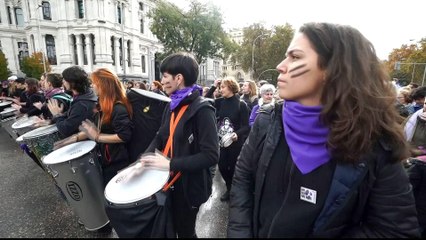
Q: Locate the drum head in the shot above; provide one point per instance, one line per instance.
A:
(41, 131)
(24, 122)
(120, 190)
(8, 110)
(69, 152)
(19, 139)
(150, 94)
(2, 104)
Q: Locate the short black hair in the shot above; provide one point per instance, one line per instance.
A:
(77, 78)
(418, 93)
(181, 63)
(20, 80)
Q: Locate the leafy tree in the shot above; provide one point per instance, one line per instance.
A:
(4, 70)
(406, 54)
(198, 30)
(33, 67)
(267, 51)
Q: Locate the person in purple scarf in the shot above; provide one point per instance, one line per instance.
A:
(194, 148)
(327, 161)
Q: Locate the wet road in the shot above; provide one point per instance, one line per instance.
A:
(31, 206)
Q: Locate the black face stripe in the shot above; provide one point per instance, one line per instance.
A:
(300, 73)
(296, 68)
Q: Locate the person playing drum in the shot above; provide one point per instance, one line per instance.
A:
(81, 108)
(113, 127)
(194, 143)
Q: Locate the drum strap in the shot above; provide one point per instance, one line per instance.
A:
(169, 146)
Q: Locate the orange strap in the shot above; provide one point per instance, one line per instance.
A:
(169, 145)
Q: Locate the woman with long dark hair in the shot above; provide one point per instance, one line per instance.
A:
(327, 162)
(33, 95)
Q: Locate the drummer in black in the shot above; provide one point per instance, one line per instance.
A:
(195, 145)
(83, 104)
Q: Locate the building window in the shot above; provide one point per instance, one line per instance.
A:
(19, 17)
(1, 49)
(29, 11)
(80, 9)
(32, 42)
(9, 15)
(119, 14)
(143, 61)
(113, 50)
(216, 68)
(83, 44)
(22, 52)
(92, 39)
(51, 50)
(120, 41)
(129, 63)
(74, 46)
(140, 6)
(142, 28)
(46, 11)
(239, 76)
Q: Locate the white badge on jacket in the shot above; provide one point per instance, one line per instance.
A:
(308, 195)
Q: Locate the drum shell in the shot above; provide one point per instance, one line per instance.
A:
(43, 144)
(81, 181)
(4, 106)
(7, 115)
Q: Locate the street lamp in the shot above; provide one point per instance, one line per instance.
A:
(39, 38)
(252, 52)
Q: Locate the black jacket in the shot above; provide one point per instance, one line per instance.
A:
(29, 108)
(115, 155)
(195, 146)
(370, 199)
(81, 108)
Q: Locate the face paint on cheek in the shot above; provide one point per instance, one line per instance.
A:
(298, 71)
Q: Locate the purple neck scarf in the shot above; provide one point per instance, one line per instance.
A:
(305, 135)
(181, 94)
(50, 93)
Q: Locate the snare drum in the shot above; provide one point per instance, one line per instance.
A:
(77, 172)
(131, 204)
(148, 108)
(40, 140)
(24, 125)
(4, 105)
(7, 112)
(7, 125)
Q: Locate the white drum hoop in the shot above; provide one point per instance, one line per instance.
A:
(69, 152)
(150, 94)
(122, 191)
(41, 131)
(8, 110)
(24, 122)
(5, 103)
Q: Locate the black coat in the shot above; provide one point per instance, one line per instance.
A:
(29, 108)
(195, 146)
(81, 108)
(370, 199)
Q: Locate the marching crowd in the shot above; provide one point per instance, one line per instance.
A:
(333, 150)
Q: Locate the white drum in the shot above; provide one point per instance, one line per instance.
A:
(78, 173)
(24, 125)
(129, 188)
(4, 105)
(8, 112)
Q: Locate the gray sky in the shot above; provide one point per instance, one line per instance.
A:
(387, 24)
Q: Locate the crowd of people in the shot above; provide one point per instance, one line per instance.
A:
(333, 150)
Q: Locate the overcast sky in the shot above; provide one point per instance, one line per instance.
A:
(387, 24)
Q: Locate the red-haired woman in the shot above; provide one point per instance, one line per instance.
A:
(113, 123)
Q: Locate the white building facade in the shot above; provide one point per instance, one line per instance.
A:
(90, 33)
(234, 69)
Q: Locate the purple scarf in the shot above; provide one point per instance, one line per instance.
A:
(50, 93)
(305, 135)
(181, 94)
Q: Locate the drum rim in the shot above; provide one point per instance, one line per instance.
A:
(8, 110)
(136, 199)
(4, 103)
(151, 94)
(23, 123)
(50, 129)
(47, 161)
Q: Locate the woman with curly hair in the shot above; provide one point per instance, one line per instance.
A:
(327, 162)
